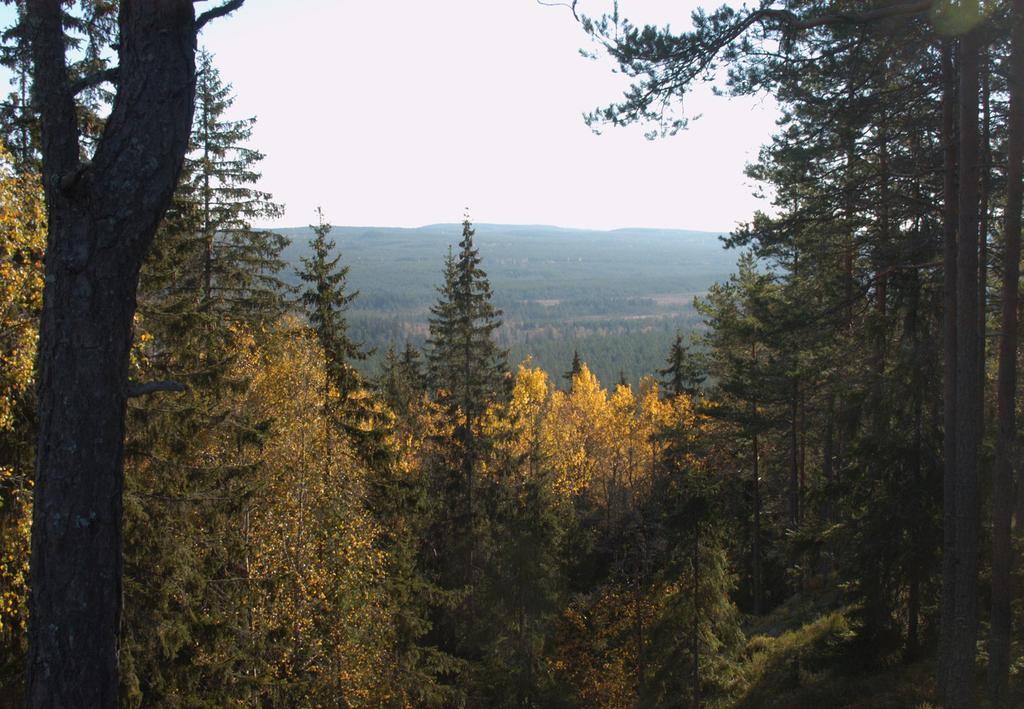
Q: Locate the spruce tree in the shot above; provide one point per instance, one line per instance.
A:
(208, 256)
(683, 374)
(400, 381)
(574, 369)
(326, 302)
(347, 407)
(464, 360)
(467, 373)
(467, 369)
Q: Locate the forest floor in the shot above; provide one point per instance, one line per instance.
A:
(805, 655)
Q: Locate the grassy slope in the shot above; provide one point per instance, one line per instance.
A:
(805, 656)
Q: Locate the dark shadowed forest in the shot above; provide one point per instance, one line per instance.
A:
(517, 466)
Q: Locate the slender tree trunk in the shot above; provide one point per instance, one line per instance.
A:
(695, 629)
(949, 346)
(960, 686)
(102, 218)
(1002, 484)
(756, 542)
(794, 457)
(913, 645)
(985, 189)
(468, 463)
(827, 469)
(209, 230)
(641, 667)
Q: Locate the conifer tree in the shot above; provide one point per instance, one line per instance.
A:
(412, 366)
(574, 369)
(683, 374)
(326, 302)
(467, 375)
(401, 378)
(467, 369)
(208, 256)
(464, 360)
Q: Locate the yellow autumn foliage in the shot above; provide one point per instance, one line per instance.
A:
(515, 427)
(315, 566)
(575, 434)
(22, 245)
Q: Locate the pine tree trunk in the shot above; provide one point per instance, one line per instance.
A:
(756, 541)
(102, 218)
(827, 469)
(1002, 484)
(85, 335)
(794, 457)
(695, 629)
(960, 682)
(985, 189)
(914, 572)
(949, 343)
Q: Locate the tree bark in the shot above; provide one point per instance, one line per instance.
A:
(984, 196)
(794, 458)
(960, 682)
(1002, 484)
(102, 218)
(695, 621)
(949, 341)
(756, 535)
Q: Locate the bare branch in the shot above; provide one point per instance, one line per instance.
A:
(225, 9)
(95, 79)
(142, 388)
(571, 6)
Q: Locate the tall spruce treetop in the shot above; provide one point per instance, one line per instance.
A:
(207, 235)
(465, 363)
(683, 374)
(216, 201)
(574, 369)
(326, 303)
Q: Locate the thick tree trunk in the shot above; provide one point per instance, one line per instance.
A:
(960, 681)
(1002, 484)
(84, 339)
(102, 218)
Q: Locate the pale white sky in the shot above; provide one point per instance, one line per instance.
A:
(402, 113)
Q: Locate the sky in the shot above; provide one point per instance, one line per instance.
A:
(404, 113)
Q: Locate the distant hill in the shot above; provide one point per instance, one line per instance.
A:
(617, 296)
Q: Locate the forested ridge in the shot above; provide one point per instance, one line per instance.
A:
(221, 483)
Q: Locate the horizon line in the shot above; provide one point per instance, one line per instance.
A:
(503, 224)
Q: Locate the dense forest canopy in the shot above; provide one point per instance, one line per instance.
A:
(242, 466)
